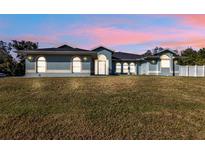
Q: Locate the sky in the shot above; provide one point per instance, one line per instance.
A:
(127, 33)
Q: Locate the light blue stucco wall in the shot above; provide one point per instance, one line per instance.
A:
(155, 68)
(30, 64)
(57, 65)
(167, 71)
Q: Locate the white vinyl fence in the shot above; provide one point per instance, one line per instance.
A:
(197, 71)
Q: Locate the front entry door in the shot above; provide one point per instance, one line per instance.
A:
(102, 67)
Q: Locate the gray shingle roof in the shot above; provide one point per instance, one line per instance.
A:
(61, 48)
(126, 56)
(100, 48)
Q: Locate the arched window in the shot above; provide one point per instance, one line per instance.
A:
(118, 68)
(102, 58)
(41, 65)
(125, 67)
(77, 65)
(132, 68)
(102, 65)
(165, 61)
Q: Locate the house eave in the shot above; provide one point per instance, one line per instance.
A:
(131, 60)
(87, 53)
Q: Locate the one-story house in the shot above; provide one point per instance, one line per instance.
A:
(66, 61)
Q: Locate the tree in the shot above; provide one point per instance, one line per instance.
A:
(148, 53)
(7, 62)
(201, 57)
(23, 45)
(189, 57)
(157, 49)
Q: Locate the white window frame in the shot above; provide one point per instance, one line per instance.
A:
(165, 61)
(118, 67)
(77, 65)
(132, 68)
(41, 64)
(125, 68)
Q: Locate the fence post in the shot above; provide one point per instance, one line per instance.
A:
(204, 70)
(187, 70)
(195, 68)
(180, 70)
(147, 68)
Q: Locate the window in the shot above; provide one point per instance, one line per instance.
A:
(103, 66)
(41, 65)
(76, 65)
(118, 68)
(125, 68)
(165, 61)
(132, 68)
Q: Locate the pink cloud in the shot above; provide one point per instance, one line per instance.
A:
(111, 36)
(196, 20)
(114, 36)
(192, 42)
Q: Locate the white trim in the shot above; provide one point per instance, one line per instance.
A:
(96, 67)
(31, 71)
(147, 67)
(85, 71)
(77, 61)
(154, 72)
(187, 70)
(195, 73)
(204, 70)
(58, 71)
(174, 71)
(134, 65)
(125, 67)
(106, 65)
(45, 63)
(117, 65)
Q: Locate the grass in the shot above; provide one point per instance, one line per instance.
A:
(120, 107)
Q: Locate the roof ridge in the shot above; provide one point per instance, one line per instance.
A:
(65, 46)
(128, 53)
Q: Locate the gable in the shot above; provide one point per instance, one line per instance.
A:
(164, 56)
(101, 48)
(167, 51)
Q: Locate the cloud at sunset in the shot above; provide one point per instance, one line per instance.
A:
(134, 32)
(113, 36)
(192, 20)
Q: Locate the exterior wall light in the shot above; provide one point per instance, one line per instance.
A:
(153, 61)
(29, 57)
(85, 58)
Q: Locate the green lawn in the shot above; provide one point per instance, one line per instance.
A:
(121, 107)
